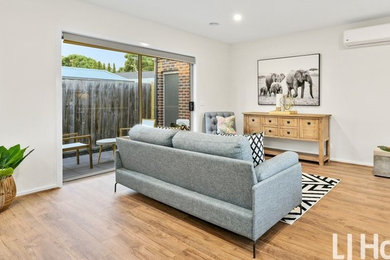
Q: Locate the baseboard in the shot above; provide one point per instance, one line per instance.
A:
(352, 162)
(38, 189)
(332, 159)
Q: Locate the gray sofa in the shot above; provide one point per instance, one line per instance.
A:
(211, 177)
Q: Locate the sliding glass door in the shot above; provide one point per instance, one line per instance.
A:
(106, 92)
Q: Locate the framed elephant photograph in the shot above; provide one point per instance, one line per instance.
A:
(296, 76)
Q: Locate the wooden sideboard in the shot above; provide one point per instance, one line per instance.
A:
(302, 127)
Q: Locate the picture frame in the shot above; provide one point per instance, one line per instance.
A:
(297, 76)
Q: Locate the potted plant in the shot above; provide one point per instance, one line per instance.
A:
(9, 160)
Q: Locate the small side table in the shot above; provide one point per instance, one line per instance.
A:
(107, 141)
(381, 163)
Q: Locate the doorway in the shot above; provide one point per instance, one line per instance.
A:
(171, 98)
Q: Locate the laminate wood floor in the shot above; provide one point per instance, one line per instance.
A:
(86, 220)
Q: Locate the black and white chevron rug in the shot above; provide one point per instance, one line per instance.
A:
(314, 188)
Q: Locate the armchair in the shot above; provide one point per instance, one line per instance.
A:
(210, 121)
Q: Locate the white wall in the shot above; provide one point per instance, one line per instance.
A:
(354, 88)
(30, 73)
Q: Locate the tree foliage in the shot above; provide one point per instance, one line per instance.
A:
(79, 61)
(131, 63)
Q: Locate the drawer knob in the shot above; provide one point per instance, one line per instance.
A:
(253, 120)
(288, 122)
(308, 123)
(288, 132)
(269, 121)
(270, 131)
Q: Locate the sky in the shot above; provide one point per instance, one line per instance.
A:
(104, 56)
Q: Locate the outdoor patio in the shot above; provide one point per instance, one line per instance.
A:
(74, 171)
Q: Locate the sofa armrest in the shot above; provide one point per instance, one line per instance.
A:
(118, 161)
(274, 197)
(276, 164)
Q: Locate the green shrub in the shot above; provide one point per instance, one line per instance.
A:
(10, 159)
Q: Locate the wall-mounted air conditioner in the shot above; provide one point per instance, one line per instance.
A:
(372, 35)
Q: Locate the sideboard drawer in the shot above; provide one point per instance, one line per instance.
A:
(271, 121)
(288, 132)
(254, 124)
(309, 128)
(270, 131)
(254, 120)
(288, 122)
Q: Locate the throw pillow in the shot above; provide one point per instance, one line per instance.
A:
(257, 146)
(225, 125)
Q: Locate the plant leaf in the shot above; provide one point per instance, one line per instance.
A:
(14, 149)
(17, 156)
(4, 157)
(17, 164)
(12, 157)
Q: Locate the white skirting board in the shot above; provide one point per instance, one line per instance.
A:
(38, 189)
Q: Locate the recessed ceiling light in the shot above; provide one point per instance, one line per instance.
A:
(237, 17)
(213, 24)
(144, 44)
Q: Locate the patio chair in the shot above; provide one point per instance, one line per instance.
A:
(76, 145)
(123, 132)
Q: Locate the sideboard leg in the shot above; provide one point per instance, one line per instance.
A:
(328, 150)
(321, 152)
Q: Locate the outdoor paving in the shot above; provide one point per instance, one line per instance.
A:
(73, 171)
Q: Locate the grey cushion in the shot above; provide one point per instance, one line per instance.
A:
(276, 165)
(236, 147)
(210, 121)
(152, 135)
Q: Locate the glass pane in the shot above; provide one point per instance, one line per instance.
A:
(100, 100)
(130, 108)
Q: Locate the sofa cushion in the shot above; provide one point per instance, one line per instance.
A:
(152, 135)
(236, 147)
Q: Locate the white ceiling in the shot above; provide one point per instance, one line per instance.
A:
(261, 18)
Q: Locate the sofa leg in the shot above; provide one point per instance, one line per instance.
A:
(254, 249)
(115, 186)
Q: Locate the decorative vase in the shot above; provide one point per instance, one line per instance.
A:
(7, 192)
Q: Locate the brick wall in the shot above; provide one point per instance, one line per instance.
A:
(183, 68)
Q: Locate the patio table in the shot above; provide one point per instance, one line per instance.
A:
(107, 141)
